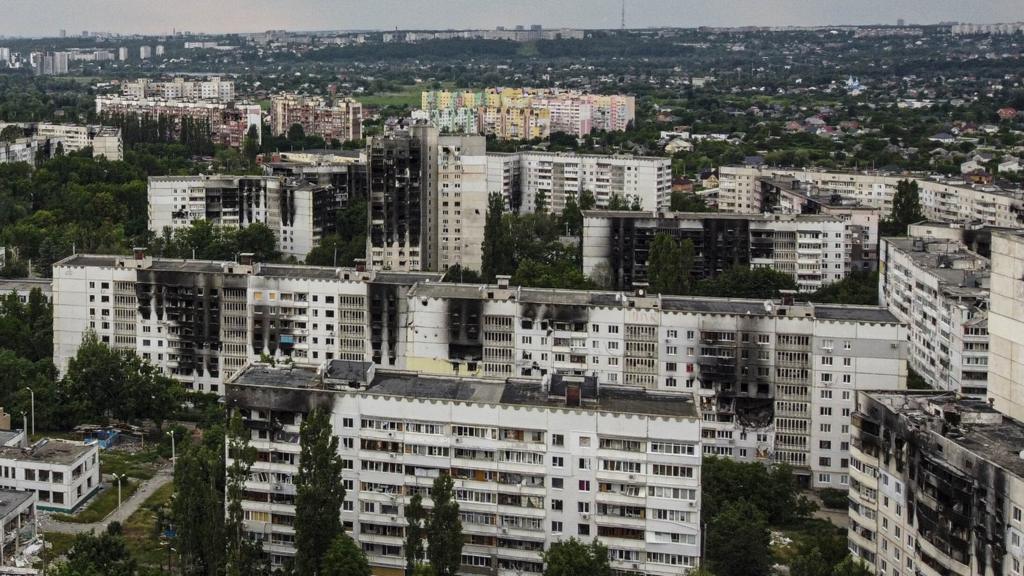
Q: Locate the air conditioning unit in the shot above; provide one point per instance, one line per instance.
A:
(458, 440)
(585, 516)
(394, 518)
(392, 455)
(504, 530)
(636, 566)
(391, 434)
(632, 476)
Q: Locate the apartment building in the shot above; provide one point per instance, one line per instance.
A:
(20, 150)
(105, 141)
(23, 287)
(523, 176)
(428, 200)
(936, 486)
(340, 120)
(533, 462)
(61, 473)
(299, 213)
(213, 88)
(201, 321)
(775, 380)
(940, 290)
(942, 200)
(1006, 325)
(229, 123)
(815, 250)
(527, 113)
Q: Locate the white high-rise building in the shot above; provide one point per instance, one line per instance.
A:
(558, 176)
(1006, 325)
(145, 52)
(533, 462)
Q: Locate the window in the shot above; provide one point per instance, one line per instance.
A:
(583, 507)
(556, 527)
(825, 411)
(584, 440)
(347, 422)
(557, 462)
(557, 440)
(584, 485)
(556, 505)
(583, 529)
(557, 483)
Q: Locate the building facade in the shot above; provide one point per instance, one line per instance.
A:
(533, 463)
(936, 486)
(229, 123)
(525, 177)
(940, 290)
(816, 250)
(201, 321)
(741, 190)
(527, 113)
(340, 120)
(1006, 325)
(105, 141)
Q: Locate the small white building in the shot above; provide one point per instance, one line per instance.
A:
(18, 523)
(62, 474)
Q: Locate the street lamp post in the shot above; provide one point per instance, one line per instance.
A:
(118, 477)
(33, 396)
(171, 434)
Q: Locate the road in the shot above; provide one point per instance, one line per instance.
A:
(128, 507)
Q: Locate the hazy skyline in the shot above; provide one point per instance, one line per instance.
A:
(47, 17)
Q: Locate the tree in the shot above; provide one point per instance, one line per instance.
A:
(906, 209)
(851, 567)
(244, 557)
(257, 238)
(572, 217)
(497, 251)
(345, 558)
(296, 133)
(587, 200)
(11, 133)
(687, 202)
(198, 505)
(319, 492)
(251, 146)
(665, 273)
(617, 202)
(740, 282)
(573, 557)
(444, 529)
(540, 202)
(810, 563)
(738, 541)
(103, 555)
(415, 533)
(857, 288)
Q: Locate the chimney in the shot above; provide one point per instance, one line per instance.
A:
(246, 258)
(503, 280)
(139, 253)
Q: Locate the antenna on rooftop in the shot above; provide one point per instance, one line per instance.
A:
(623, 14)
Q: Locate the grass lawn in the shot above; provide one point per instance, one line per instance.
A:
(101, 505)
(138, 529)
(410, 96)
(58, 545)
(141, 465)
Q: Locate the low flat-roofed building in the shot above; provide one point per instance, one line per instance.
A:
(532, 461)
(63, 474)
(23, 287)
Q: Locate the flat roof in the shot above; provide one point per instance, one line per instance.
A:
(8, 435)
(25, 284)
(983, 431)
(513, 392)
(11, 500)
(670, 215)
(52, 452)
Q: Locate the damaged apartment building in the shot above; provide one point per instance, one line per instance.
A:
(201, 321)
(774, 380)
(814, 249)
(533, 462)
(299, 204)
(937, 486)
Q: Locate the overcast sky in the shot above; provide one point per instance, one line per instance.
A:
(46, 17)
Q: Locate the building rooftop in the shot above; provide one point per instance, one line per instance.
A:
(960, 272)
(11, 500)
(691, 304)
(969, 423)
(47, 451)
(25, 284)
(669, 215)
(512, 392)
(267, 270)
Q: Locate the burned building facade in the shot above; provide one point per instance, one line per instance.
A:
(815, 250)
(201, 321)
(775, 381)
(937, 486)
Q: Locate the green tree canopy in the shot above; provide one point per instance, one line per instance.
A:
(319, 492)
(345, 558)
(738, 541)
(444, 529)
(574, 557)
